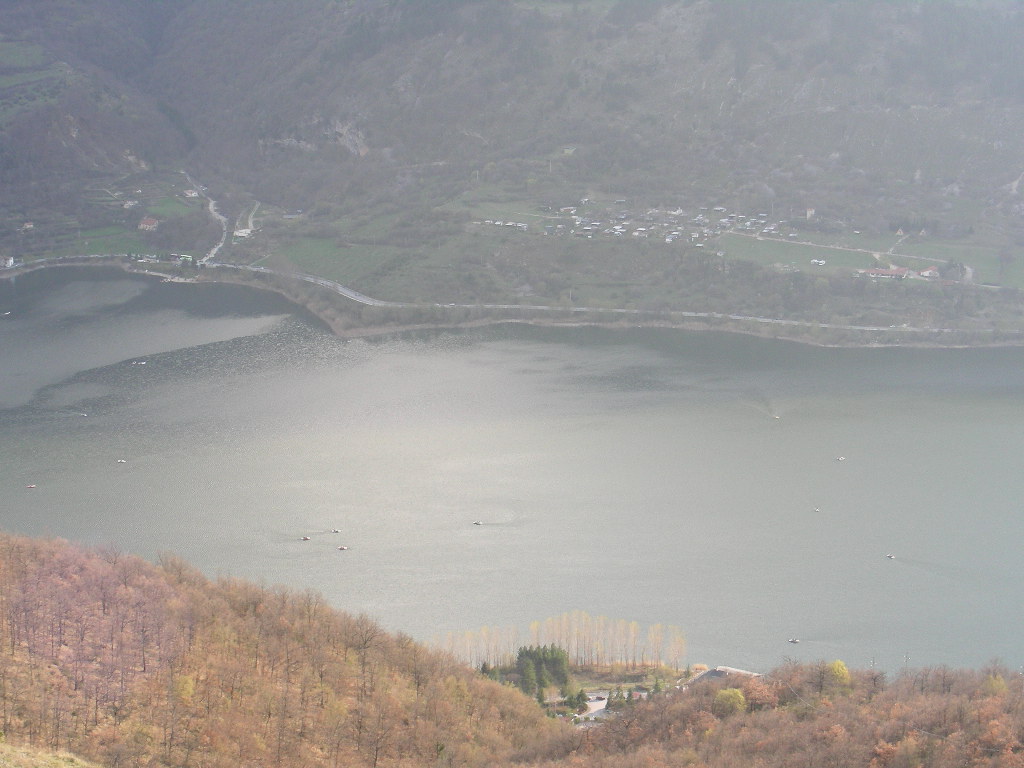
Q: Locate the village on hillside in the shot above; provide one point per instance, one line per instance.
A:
(702, 228)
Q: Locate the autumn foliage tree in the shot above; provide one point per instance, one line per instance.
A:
(822, 714)
(133, 664)
(129, 663)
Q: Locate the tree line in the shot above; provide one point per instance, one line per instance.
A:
(587, 640)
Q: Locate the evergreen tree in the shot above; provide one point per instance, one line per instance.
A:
(543, 678)
(528, 679)
(579, 701)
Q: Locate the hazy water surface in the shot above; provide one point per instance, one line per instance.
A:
(660, 476)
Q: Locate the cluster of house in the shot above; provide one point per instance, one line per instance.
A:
(901, 273)
(583, 220)
(587, 221)
(515, 224)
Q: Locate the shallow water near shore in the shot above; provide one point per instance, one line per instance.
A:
(656, 475)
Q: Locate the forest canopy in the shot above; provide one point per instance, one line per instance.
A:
(133, 664)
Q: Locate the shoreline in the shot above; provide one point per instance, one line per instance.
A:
(334, 310)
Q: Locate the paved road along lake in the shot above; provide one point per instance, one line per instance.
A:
(649, 475)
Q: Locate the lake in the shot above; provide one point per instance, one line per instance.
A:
(651, 475)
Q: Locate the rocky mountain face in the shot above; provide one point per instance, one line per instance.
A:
(873, 110)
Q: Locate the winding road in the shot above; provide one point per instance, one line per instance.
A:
(676, 313)
(211, 205)
(361, 298)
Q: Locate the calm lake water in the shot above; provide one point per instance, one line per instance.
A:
(650, 475)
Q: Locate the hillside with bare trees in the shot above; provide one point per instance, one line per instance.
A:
(127, 663)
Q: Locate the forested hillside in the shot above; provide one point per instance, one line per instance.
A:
(870, 110)
(379, 142)
(131, 664)
(808, 716)
(838, 103)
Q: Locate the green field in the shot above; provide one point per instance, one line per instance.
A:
(983, 259)
(105, 240)
(494, 203)
(877, 243)
(776, 251)
(326, 258)
(168, 208)
(368, 228)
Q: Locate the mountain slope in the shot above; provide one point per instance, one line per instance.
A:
(126, 663)
(685, 98)
(71, 102)
(374, 133)
(849, 105)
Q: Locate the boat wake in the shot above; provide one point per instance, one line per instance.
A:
(762, 404)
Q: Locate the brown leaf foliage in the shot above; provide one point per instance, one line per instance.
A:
(935, 717)
(132, 664)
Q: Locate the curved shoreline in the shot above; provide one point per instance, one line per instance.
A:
(322, 302)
